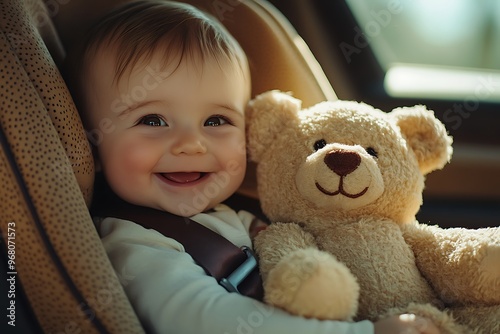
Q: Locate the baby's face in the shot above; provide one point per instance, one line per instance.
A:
(170, 141)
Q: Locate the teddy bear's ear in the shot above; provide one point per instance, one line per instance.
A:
(426, 136)
(266, 116)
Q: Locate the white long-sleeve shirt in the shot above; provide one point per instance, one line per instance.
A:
(172, 294)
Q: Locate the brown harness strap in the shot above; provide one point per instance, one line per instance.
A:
(234, 268)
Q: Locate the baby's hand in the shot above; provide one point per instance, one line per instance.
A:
(405, 324)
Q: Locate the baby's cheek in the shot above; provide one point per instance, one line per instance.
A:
(138, 158)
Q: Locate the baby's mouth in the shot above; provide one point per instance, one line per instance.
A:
(183, 177)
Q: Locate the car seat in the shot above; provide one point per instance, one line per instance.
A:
(62, 280)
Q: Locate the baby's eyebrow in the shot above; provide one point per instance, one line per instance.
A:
(228, 107)
(136, 106)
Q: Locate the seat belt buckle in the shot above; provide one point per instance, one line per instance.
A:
(232, 282)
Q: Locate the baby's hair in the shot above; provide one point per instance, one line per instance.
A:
(138, 30)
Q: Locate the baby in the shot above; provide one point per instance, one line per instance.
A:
(162, 90)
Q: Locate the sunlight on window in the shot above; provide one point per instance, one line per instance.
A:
(446, 22)
(463, 33)
(403, 80)
(460, 36)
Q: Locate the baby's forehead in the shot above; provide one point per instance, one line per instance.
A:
(159, 61)
(149, 72)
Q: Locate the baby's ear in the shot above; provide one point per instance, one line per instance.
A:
(425, 135)
(266, 117)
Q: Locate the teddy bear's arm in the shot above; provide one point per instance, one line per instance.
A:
(300, 278)
(279, 240)
(463, 265)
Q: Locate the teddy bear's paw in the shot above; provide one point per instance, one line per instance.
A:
(312, 283)
(490, 274)
(427, 313)
(479, 281)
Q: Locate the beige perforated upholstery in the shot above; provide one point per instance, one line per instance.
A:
(46, 176)
(46, 167)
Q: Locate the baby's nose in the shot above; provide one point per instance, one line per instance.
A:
(189, 144)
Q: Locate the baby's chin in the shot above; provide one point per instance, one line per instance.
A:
(187, 210)
(199, 201)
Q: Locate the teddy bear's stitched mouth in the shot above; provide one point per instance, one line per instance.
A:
(340, 190)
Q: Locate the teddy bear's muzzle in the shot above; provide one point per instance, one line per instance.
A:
(342, 163)
(348, 176)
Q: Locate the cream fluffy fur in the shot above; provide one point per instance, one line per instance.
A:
(342, 183)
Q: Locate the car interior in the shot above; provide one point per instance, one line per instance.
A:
(55, 275)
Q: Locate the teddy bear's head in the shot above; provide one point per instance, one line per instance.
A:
(342, 159)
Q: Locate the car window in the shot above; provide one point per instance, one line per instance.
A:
(460, 33)
(436, 49)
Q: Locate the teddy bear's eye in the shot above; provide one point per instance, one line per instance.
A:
(319, 144)
(371, 151)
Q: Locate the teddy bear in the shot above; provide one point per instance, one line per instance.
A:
(341, 183)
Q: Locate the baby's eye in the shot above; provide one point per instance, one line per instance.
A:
(152, 120)
(216, 121)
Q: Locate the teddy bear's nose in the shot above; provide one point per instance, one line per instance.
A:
(342, 162)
